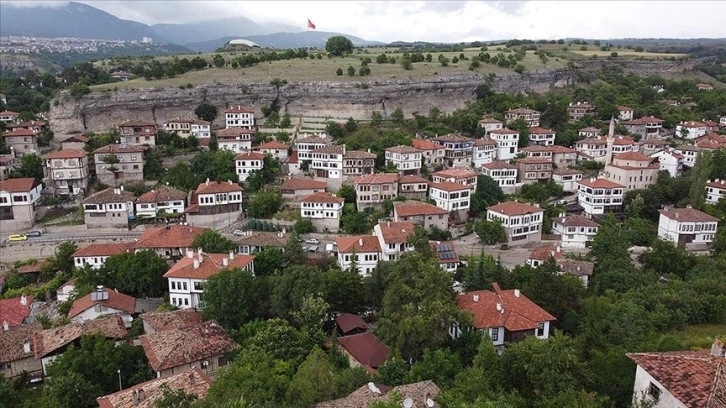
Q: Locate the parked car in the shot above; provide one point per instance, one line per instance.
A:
(238, 233)
(312, 241)
(17, 237)
(34, 234)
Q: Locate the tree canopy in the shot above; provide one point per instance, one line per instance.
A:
(339, 45)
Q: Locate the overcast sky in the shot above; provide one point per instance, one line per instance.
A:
(451, 21)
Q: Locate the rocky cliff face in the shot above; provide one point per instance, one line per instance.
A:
(101, 111)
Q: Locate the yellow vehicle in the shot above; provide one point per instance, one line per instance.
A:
(17, 237)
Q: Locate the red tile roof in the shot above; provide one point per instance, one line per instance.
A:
(12, 342)
(50, 340)
(173, 236)
(633, 156)
(557, 149)
(348, 322)
(21, 132)
(66, 154)
(533, 160)
(116, 300)
(322, 197)
(575, 221)
(490, 120)
(239, 109)
(624, 108)
(542, 253)
(721, 184)
(332, 149)
(644, 120)
(110, 195)
(395, 232)
(522, 111)
(410, 179)
(172, 348)
(358, 244)
(692, 124)
(293, 159)
(19, 185)
(366, 349)
(564, 171)
(624, 141)
(536, 130)
(358, 154)
(8, 113)
(511, 208)
(519, 313)
(449, 186)
(114, 148)
(314, 139)
(234, 132)
(250, 156)
(215, 187)
(695, 379)
(211, 264)
(503, 132)
(14, 311)
(498, 165)
(273, 145)
(456, 173)
(576, 267)
(377, 178)
(485, 141)
(452, 138)
(687, 215)
(177, 319)
(590, 130)
(193, 381)
(162, 194)
(599, 183)
(294, 183)
(445, 251)
(401, 149)
(35, 267)
(425, 144)
(412, 208)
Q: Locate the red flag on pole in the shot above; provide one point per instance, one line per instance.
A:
(311, 25)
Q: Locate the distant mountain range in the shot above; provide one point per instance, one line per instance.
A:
(84, 21)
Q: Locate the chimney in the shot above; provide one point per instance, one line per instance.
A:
(475, 297)
(559, 249)
(718, 348)
(116, 191)
(516, 293)
(135, 398)
(190, 254)
(689, 206)
(26, 347)
(388, 224)
(231, 255)
(360, 241)
(6, 326)
(122, 188)
(196, 264)
(192, 379)
(23, 300)
(229, 181)
(207, 182)
(499, 307)
(225, 262)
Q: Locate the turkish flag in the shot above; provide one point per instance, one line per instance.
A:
(311, 25)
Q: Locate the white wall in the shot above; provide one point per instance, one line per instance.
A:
(642, 384)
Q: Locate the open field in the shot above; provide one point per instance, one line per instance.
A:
(701, 336)
(575, 51)
(298, 70)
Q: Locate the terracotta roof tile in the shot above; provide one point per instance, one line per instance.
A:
(503, 132)
(215, 187)
(358, 244)
(445, 251)
(14, 311)
(34, 267)
(720, 184)
(449, 186)
(522, 111)
(542, 253)
(490, 120)
(520, 313)
(193, 381)
(499, 165)
(557, 149)
(411, 179)
(8, 113)
(575, 267)
(426, 144)
(590, 130)
(395, 232)
(322, 197)
(599, 183)
(453, 138)
(173, 236)
(262, 239)
(366, 349)
(691, 377)
(632, 156)
(644, 120)
(533, 160)
(273, 145)
(234, 132)
(294, 158)
(564, 171)
(19, 185)
(50, 340)
(66, 154)
(687, 215)
(624, 141)
(250, 156)
(12, 342)
(401, 149)
(172, 348)
(315, 139)
(575, 221)
(536, 130)
(115, 300)
(348, 322)
(162, 194)
(108, 196)
(485, 141)
(456, 173)
(332, 149)
(177, 319)
(377, 178)
(210, 265)
(114, 148)
(412, 208)
(363, 397)
(21, 132)
(76, 138)
(294, 183)
(358, 154)
(514, 208)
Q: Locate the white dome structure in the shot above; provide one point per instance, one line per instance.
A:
(242, 42)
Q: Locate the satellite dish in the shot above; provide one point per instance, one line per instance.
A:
(408, 402)
(429, 402)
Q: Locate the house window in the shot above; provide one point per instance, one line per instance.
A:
(540, 329)
(654, 391)
(495, 334)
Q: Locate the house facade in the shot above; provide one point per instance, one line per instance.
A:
(407, 159)
(255, 241)
(161, 201)
(239, 117)
(413, 187)
(458, 150)
(236, 139)
(188, 276)
(109, 208)
(103, 302)
(589, 132)
(593, 148)
(599, 196)
(625, 113)
(95, 255)
(420, 213)
(327, 163)
(647, 127)
(277, 150)
(18, 199)
(685, 226)
(541, 136)
(363, 250)
(216, 197)
(464, 177)
(293, 189)
(188, 127)
(393, 238)
(307, 145)
(530, 116)
(633, 170)
(575, 231)
(503, 173)
(452, 197)
(67, 171)
(669, 160)
(373, 189)
(485, 151)
(489, 124)
(433, 153)
(138, 133)
(246, 163)
(16, 353)
(690, 130)
(22, 141)
(579, 110)
(324, 210)
(533, 170)
(567, 178)
(128, 168)
(357, 163)
(715, 190)
(507, 143)
(170, 242)
(522, 222)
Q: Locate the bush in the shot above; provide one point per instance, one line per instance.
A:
(304, 226)
(339, 72)
(351, 71)
(614, 54)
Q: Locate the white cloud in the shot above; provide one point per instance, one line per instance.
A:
(448, 21)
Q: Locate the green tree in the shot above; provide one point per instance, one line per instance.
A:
(218, 61)
(79, 89)
(268, 260)
(343, 290)
(153, 165)
(420, 242)
(264, 204)
(303, 226)
(406, 62)
(338, 45)
(138, 274)
(351, 70)
(398, 115)
(490, 232)
(487, 193)
(313, 382)
(234, 297)
(175, 399)
(63, 259)
(439, 366)
(181, 176)
(206, 112)
(213, 242)
(381, 59)
(31, 165)
(347, 192)
(418, 307)
(268, 335)
(288, 289)
(294, 254)
(339, 72)
(699, 177)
